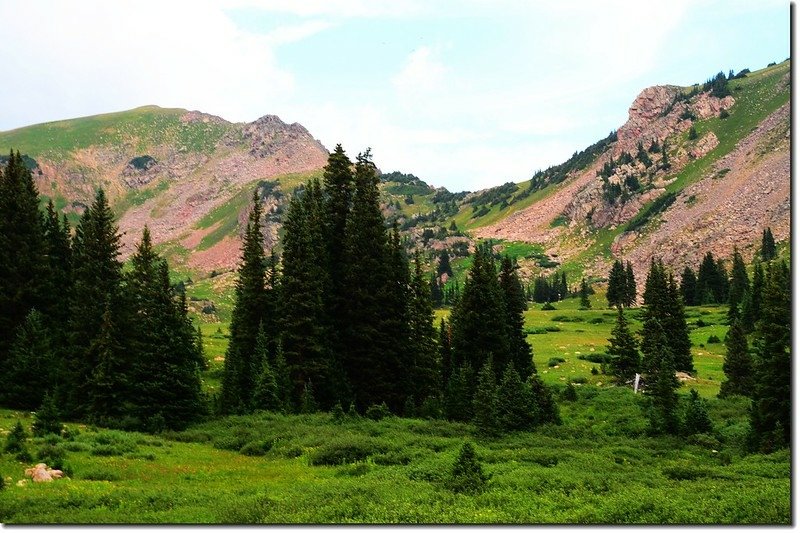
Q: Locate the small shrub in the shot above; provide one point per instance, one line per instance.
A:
(570, 394)
(685, 472)
(713, 339)
(555, 361)
(566, 318)
(391, 458)
(99, 474)
(723, 114)
(2, 481)
(345, 450)
(288, 451)
(548, 307)
(378, 412)
(704, 440)
(692, 133)
(467, 475)
(547, 460)
(701, 323)
(356, 470)
(594, 371)
(579, 379)
(595, 357)
(337, 413)
(256, 448)
(54, 457)
(15, 441)
(231, 443)
(106, 450)
(46, 420)
(596, 320)
(552, 329)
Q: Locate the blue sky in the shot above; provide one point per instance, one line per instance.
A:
(465, 94)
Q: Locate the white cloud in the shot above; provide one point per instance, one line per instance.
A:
(422, 73)
(334, 8)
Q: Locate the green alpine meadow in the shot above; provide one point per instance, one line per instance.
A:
(206, 321)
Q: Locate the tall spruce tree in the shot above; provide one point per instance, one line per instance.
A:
(372, 355)
(689, 286)
(30, 368)
(444, 264)
(584, 294)
(396, 324)
(23, 250)
(768, 250)
(478, 320)
(751, 307)
(615, 294)
(723, 281)
(516, 408)
(59, 275)
(458, 395)
(484, 403)
(709, 284)
(771, 411)
(740, 283)
(676, 328)
(238, 379)
(445, 355)
(738, 365)
(304, 321)
(623, 349)
(630, 286)
(97, 306)
(426, 366)
(515, 306)
(662, 385)
(164, 378)
(109, 387)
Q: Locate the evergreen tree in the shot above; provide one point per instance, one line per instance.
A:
(515, 306)
(625, 358)
(768, 250)
(23, 251)
(374, 339)
(308, 404)
(723, 282)
(664, 322)
(29, 371)
(444, 264)
(109, 387)
(303, 317)
(740, 283)
(662, 387)
(584, 292)
(238, 380)
(751, 307)
(396, 324)
(709, 287)
(771, 410)
(425, 379)
(546, 406)
(478, 321)
(676, 329)
(615, 294)
(445, 354)
(265, 395)
(689, 287)
(16, 442)
(58, 278)
(516, 408)
(458, 397)
(738, 365)
(630, 286)
(97, 284)
(696, 419)
(485, 401)
(467, 475)
(165, 374)
(46, 419)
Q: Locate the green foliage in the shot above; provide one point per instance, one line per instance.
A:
(16, 439)
(692, 133)
(713, 339)
(623, 350)
(378, 412)
(651, 210)
(346, 450)
(695, 419)
(768, 250)
(467, 474)
(738, 364)
(256, 448)
(485, 404)
(46, 420)
(308, 403)
(516, 409)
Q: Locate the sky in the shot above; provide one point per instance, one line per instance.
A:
(465, 94)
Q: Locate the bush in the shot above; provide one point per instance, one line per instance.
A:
(579, 379)
(565, 318)
(345, 450)
(106, 450)
(548, 460)
(378, 412)
(55, 457)
(256, 448)
(723, 114)
(555, 361)
(232, 443)
(570, 394)
(713, 339)
(596, 320)
(548, 307)
(391, 458)
(685, 472)
(467, 475)
(595, 357)
(356, 470)
(100, 474)
(594, 371)
(702, 323)
(45, 420)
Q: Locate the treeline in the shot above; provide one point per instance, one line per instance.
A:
(621, 285)
(758, 368)
(345, 320)
(114, 348)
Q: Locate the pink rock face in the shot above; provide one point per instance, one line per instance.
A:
(42, 474)
(651, 104)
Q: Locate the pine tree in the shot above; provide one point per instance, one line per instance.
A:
(16, 441)
(97, 284)
(265, 395)
(740, 283)
(630, 286)
(689, 287)
(467, 475)
(664, 417)
(458, 397)
(445, 355)
(546, 405)
(58, 278)
(615, 294)
(625, 358)
(676, 329)
(584, 292)
(23, 260)
(425, 366)
(751, 307)
(444, 264)
(738, 365)
(723, 282)
(396, 326)
(308, 404)
(516, 408)
(696, 419)
(304, 322)
(515, 306)
(238, 379)
(46, 419)
(478, 321)
(29, 371)
(708, 281)
(108, 388)
(768, 250)
(485, 401)
(771, 410)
